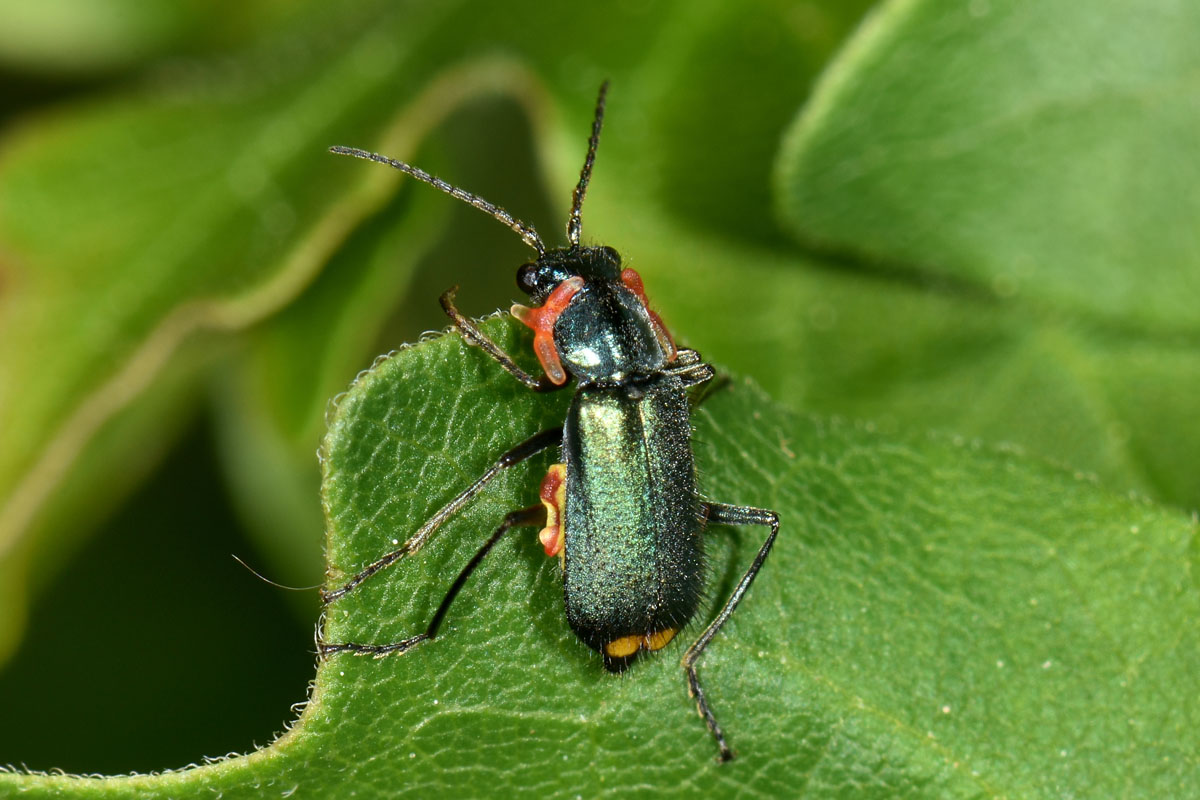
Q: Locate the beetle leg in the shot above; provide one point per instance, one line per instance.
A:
(729, 515)
(690, 368)
(534, 515)
(684, 357)
(473, 335)
(554, 497)
(695, 374)
(699, 396)
(530, 447)
(542, 321)
(633, 282)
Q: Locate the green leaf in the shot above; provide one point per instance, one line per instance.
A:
(1043, 152)
(119, 247)
(157, 201)
(1017, 184)
(80, 37)
(273, 395)
(938, 619)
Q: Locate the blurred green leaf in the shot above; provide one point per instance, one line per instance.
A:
(937, 620)
(1039, 153)
(135, 438)
(154, 647)
(83, 37)
(273, 394)
(1037, 167)
(173, 230)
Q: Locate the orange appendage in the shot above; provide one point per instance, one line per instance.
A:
(541, 319)
(633, 282)
(554, 498)
(628, 645)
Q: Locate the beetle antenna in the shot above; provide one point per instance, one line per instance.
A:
(525, 231)
(265, 579)
(575, 223)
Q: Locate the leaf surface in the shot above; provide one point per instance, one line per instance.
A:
(939, 619)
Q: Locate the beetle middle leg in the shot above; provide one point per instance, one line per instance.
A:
(729, 515)
(534, 515)
(690, 368)
(526, 449)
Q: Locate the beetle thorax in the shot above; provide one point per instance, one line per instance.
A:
(606, 335)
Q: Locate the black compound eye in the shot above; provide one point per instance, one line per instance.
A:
(611, 256)
(527, 278)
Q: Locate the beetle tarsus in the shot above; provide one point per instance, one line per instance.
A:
(375, 650)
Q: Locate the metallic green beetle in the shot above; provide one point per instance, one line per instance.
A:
(622, 511)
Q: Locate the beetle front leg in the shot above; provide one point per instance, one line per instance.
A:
(473, 335)
(729, 515)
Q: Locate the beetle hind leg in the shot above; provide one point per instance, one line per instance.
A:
(729, 515)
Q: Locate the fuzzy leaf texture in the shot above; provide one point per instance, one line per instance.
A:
(938, 619)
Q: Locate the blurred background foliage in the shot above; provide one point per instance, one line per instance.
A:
(983, 223)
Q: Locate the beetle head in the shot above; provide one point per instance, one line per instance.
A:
(539, 278)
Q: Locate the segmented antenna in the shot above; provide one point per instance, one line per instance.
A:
(575, 223)
(526, 232)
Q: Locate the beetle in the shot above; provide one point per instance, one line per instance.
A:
(622, 511)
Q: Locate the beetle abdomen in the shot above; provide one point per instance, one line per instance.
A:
(633, 564)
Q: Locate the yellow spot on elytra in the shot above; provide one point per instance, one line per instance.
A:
(657, 641)
(623, 647)
(628, 645)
